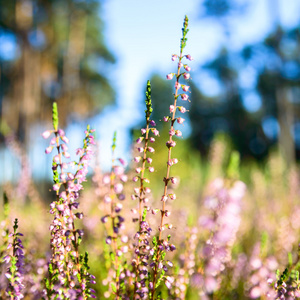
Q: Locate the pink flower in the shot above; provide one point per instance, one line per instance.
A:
(143, 130)
(135, 179)
(184, 97)
(155, 132)
(140, 149)
(172, 196)
(172, 108)
(177, 85)
(186, 76)
(174, 57)
(150, 149)
(164, 198)
(174, 180)
(180, 65)
(139, 140)
(56, 187)
(137, 159)
(172, 132)
(180, 120)
(182, 109)
(187, 68)
(138, 170)
(170, 76)
(118, 188)
(151, 169)
(46, 134)
(48, 149)
(166, 119)
(189, 57)
(178, 133)
(149, 160)
(185, 88)
(152, 140)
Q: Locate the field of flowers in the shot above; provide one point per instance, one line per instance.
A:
(165, 226)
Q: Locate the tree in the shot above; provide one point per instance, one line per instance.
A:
(60, 55)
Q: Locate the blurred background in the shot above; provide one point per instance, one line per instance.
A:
(94, 59)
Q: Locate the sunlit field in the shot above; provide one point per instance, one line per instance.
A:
(168, 223)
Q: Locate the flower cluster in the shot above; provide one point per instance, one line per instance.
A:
(68, 270)
(114, 221)
(141, 242)
(15, 272)
(162, 244)
(223, 223)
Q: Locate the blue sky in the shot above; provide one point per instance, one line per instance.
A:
(143, 35)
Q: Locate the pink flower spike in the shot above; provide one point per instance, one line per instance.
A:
(170, 76)
(174, 57)
(189, 57)
(184, 97)
(180, 120)
(46, 134)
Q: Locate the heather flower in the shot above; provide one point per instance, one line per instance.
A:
(170, 76)
(15, 273)
(186, 75)
(180, 120)
(64, 219)
(189, 57)
(174, 57)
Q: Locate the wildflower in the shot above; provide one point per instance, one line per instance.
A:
(186, 75)
(180, 120)
(170, 76)
(46, 134)
(174, 57)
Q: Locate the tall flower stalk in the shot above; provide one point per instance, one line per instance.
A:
(15, 272)
(142, 244)
(68, 269)
(161, 245)
(115, 222)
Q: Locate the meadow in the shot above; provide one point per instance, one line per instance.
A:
(166, 225)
